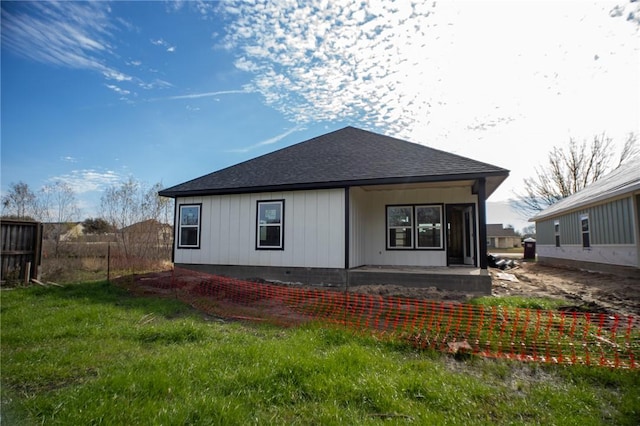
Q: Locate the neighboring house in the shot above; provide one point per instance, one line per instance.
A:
(337, 207)
(148, 239)
(500, 237)
(151, 231)
(63, 231)
(597, 227)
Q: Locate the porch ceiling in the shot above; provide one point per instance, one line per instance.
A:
(492, 183)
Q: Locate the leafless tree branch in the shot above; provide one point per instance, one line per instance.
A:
(570, 169)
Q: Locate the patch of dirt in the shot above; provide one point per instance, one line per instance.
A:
(583, 290)
(586, 290)
(429, 293)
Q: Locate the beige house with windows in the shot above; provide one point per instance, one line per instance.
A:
(329, 210)
(500, 237)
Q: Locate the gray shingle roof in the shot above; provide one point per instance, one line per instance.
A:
(497, 230)
(345, 157)
(623, 180)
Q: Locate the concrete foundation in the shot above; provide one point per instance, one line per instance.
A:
(463, 279)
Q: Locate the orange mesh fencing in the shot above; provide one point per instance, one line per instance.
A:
(546, 336)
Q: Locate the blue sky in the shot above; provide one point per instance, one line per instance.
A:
(93, 93)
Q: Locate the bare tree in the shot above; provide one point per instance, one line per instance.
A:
(20, 202)
(161, 211)
(570, 169)
(529, 231)
(96, 226)
(59, 202)
(139, 215)
(59, 207)
(157, 207)
(122, 207)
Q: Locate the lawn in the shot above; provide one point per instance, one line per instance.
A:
(93, 354)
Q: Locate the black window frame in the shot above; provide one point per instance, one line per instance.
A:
(281, 202)
(556, 232)
(197, 226)
(585, 233)
(417, 227)
(413, 227)
(408, 229)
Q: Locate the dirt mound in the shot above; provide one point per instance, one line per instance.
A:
(584, 291)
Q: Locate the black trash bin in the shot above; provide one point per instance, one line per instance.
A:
(530, 249)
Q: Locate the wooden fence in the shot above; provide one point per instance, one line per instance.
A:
(21, 250)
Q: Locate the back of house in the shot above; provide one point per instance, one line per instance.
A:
(319, 211)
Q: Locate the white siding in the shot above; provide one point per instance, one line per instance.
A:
(357, 225)
(368, 213)
(313, 230)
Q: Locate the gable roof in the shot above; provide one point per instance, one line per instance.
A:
(345, 157)
(145, 226)
(497, 230)
(624, 180)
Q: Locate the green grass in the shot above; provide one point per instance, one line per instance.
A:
(544, 303)
(92, 354)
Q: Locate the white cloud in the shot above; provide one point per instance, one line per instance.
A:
(69, 34)
(163, 43)
(89, 180)
(118, 90)
(203, 7)
(155, 84)
(475, 78)
(269, 141)
(115, 75)
(209, 94)
(79, 35)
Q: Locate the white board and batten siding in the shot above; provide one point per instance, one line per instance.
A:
(368, 224)
(314, 229)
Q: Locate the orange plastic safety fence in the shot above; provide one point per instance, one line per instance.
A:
(502, 332)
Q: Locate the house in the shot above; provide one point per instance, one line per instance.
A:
(346, 208)
(499, 237)
(63, 231)
(596, 228)
(148, 239)
(149, 231)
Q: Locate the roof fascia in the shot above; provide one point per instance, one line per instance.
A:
(602, 199)
(330, 185)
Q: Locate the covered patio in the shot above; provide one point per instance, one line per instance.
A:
(466, 279)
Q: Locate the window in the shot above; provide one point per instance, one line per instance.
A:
(270, 229)
(584, 223)
(189, 226)
(422, 224)
(429, 226)
(556, 231)
(399, 226)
